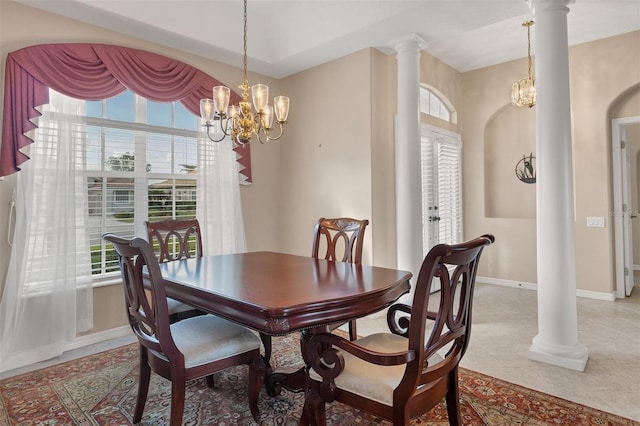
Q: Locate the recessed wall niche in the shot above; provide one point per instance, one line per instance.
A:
(509, 135)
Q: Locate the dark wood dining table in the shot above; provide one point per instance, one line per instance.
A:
(276, 294)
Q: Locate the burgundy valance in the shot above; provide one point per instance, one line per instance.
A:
(92, 72)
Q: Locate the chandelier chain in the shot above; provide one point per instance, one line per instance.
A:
(244, 62)
(529, 24)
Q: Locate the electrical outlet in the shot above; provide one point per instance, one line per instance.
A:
(595, 222)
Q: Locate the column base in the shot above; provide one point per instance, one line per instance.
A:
(572, 357)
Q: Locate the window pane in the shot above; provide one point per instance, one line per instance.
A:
(185, 195)
(122, 107)
(120, 194)
(111, 209)
(159, 153)
(424, 100)
(160, 199)
(95, 191)
(119, 150)
(185, 155)
(94, 109)
(444, 113)
(434, 105)
(185, 119)
(94, 148)
(159, 113)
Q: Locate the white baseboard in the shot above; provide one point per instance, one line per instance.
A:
(610, 297)
(506, 283)
(101, 336)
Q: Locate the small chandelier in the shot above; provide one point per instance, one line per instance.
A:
(523, 92)
(237, 121)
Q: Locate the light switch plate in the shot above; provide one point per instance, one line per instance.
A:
(595, 222)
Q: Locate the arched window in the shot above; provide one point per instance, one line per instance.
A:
(435, 104)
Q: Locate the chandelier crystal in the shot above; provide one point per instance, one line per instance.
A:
(523, 92)
(239, 121)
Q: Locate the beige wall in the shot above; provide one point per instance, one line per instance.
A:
(600, 72)
(326, 168)
(337, 156)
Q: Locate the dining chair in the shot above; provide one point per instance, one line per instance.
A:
(186, 350)
(339, 239)
(175, 239)
(401, 374)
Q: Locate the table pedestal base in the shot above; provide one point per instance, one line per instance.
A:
(292, 381)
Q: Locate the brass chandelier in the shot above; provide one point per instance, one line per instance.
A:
(238, 121)
(523, 92)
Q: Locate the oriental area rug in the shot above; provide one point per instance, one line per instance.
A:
(101, 390)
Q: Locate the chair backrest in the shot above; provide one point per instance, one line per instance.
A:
(147, 308)
(175, 239)
(455, 267)
(339, 239)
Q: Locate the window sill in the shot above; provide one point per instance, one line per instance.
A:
(106, 282)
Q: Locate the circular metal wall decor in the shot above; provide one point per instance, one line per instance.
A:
(526, 169)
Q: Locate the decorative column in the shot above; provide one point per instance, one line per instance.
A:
(557, 339)
(407, 151)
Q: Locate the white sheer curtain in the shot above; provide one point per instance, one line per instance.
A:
(48, 296)
(219, 208)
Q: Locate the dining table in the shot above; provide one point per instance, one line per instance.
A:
(278, 293)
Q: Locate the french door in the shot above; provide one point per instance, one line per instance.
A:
(441, 155)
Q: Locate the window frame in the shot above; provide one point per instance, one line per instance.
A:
(109, 271)
(429, 92)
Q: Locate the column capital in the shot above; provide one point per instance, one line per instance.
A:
(412, 43)
(538, 5)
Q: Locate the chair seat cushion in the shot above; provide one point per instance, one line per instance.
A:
(372, 381)
(176, 307)
(208, 338)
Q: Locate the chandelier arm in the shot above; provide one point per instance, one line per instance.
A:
(260, 138)
(208, 126)
(275, 138)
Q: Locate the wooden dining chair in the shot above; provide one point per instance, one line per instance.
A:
(404, 373)
(189, 349)
(175, 239)
(341, 240)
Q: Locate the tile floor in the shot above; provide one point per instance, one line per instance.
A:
(504, 322)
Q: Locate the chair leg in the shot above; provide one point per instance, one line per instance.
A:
(210, 382)
(143, 384)
(256, 379)
(178, 387)
(453, 399)
(353, 333)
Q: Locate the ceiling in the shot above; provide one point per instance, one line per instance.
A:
(288, 36)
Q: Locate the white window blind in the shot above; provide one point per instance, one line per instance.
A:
(441, 159)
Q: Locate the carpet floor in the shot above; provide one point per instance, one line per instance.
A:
(101, 389)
